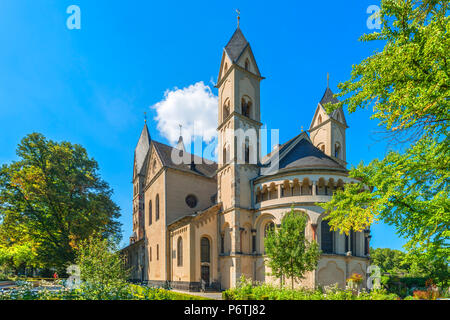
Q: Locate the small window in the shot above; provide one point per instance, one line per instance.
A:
(157, 252)
(180, 252)
(327, 237)
(205, 250)
(246, 106)
(157, 208)
(337, 150)
(150, 212)
(191, 201)
(247, 65)
(319, 121)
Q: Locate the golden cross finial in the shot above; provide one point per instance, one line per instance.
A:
(302, 128)
(238, 16)
(145, 117)
(328, 80)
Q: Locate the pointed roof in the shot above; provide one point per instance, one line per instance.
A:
(236, 45)
(180, 144)
(142, 148)
(328, 97)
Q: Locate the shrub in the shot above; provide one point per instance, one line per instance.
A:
(248, 291)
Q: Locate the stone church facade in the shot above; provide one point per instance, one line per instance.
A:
(202, 224)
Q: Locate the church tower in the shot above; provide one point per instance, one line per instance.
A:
(327, 131)
(139, 170)
(238, 87)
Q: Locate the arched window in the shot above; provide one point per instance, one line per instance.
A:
(157, 252)
(180, 251)
(247, 65)
(205, 250)
(150, 212)
(225, 69)
(326, 238)
(157, 208)
(247, 150)
(150, 253)
(222, 243)
(226, 109)
(246, 106)
(225, 155)
(337, 150)
(319, 120)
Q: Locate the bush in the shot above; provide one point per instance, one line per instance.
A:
(246, 290)
(26, 291)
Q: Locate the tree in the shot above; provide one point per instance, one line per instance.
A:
(408, 86)
(102, 267)
(289, 253)
(52, 198)
(389, 260)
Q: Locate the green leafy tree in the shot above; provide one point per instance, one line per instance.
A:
(289, 253)
(52, 198)
(102, 267)
(389, 260)
(407, 85)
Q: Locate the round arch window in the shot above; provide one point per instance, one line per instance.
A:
(191, 201)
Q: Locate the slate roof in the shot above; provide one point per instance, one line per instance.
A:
(303, 155)
(142, 148)
(236, 45)
(328, 97)
(165, 153)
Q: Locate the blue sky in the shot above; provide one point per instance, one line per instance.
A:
(91, 86)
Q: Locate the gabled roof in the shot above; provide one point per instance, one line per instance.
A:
(201, 168)
(300, 153)
(236, 45)
(141, 151)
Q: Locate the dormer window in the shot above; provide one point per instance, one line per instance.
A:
(247, 65)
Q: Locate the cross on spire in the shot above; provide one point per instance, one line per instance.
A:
(145, 117)
(328, 80)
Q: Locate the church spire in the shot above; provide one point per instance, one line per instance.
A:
(180, 143)
(238, 17)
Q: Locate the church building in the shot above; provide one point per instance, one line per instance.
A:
(200, 224)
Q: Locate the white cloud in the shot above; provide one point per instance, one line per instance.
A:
(194, 107)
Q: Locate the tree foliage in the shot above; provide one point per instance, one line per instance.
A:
(52, 198)
(289, 253)
(408, 85)
(102, 268)
(389, 260)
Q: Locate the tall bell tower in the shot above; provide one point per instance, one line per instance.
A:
(238, 130)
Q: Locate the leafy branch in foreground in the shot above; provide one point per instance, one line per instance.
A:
(408, 85)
